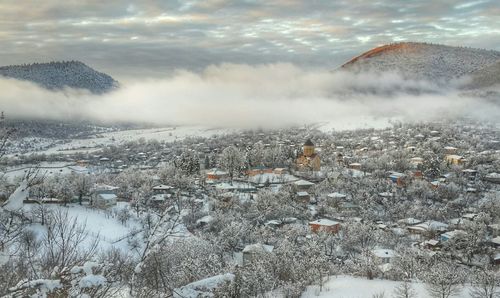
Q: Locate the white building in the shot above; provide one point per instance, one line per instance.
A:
(105, 200)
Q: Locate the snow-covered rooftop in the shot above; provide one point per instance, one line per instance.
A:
(324, 222)
(202, 288)
(107, 196)
(383, 253)
(162, 187)
(258, 247)
(303, 183)
(337, 195)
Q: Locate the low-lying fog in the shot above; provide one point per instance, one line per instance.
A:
(232, 95)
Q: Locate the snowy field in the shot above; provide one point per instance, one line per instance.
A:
(168, 134)
(355, 122)
(357, 287)
(89, 145)
(45, 169)
(98, 223)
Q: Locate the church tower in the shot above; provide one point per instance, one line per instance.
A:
(308, 148)
(309, 160)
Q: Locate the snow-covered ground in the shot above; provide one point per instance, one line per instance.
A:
(178, 133)
(272, 178)
(355, 122)
(98, 223)
(167, 134)
(357, 287)
(44, 169)
(203, 287)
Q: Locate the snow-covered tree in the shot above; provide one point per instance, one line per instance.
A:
(188, 162)
(444, 279)
(485, 283)
(232, 160)
(82, 185)
(405, 290)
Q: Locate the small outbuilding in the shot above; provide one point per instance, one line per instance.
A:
(105, 200)
(324, 225)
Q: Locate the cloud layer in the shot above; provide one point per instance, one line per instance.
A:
(153, 37)
(250, 96)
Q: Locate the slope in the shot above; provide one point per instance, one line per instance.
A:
(60, 75)
(421, 61)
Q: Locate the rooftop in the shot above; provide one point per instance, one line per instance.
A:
(324, 222)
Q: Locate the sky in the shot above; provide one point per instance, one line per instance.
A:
(151, 38)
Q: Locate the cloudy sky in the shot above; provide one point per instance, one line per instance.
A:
(153, 37)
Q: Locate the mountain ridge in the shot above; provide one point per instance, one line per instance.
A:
(57, 75)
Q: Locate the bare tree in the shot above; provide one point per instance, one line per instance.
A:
(409, 262)
(63, 242)
(485, 283)
(444, 279)
(12, 217)
(157, 232)
(60, 263)
(5, 134)
(405, 290)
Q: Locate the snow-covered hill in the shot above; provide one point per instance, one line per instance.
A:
(486, 77)
(422, 61)
(59, 75)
